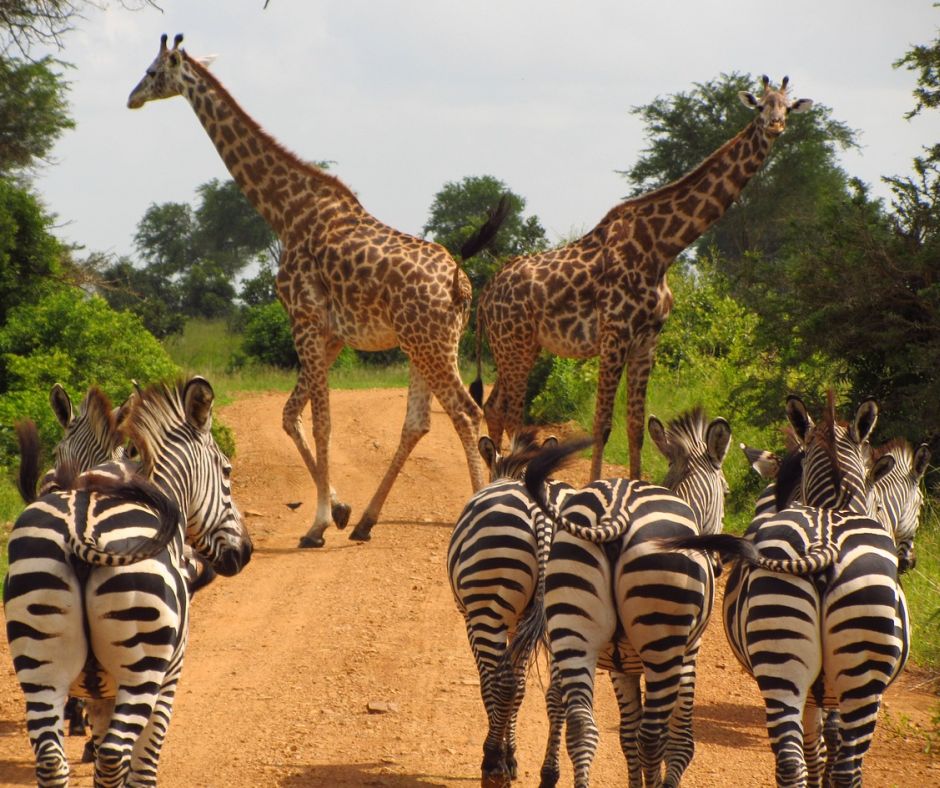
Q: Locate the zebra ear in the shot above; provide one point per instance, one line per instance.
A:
(61, 405)
(921, 459)
(799, 419)
(764, 462)
(882, 468)
(658, 434)
(197, 403)
(865, 419)
(487, 451)
(717, 440)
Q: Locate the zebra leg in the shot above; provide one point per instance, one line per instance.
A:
(497, 691)
(551, 764)
(518, 695)
(832, 737)
(857, 720)
(146, 755)
(627, 689)
(680, 746)
(814, 746)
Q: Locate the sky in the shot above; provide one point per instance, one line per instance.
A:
(403, 96)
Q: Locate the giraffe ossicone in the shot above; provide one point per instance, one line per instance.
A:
(344, 277)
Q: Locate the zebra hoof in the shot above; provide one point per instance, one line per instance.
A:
(496, 780)
(340, 513)
(549, 778)
(314, 540)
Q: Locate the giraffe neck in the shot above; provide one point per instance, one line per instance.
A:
(669, 219)
(281, 187)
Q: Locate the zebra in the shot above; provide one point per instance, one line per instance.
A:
(614, 600)
(820, 619)
(96, 599)
(495, 562)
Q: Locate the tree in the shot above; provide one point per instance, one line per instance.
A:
(29, 254)
(33, 112)
(28, 23)
(142, 291)
(799, 177)
(460, 208)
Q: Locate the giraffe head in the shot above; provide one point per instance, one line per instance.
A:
(166, 76)
(774, 105)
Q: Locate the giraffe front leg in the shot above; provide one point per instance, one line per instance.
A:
(329, 507)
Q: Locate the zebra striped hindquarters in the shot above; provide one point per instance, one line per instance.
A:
(614, 600)
(818, 616)
(81, 620)
(495, 563)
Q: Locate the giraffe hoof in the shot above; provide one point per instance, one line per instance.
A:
(340, 513)
(311, 541)
(362, 532)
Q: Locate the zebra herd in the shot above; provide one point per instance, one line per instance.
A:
(103, 562)
(620, 575)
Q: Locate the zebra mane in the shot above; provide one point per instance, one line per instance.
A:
(97, 408)
(900, 449)
(522, 448)
(153, 412)
(825, 438)
(685, 436)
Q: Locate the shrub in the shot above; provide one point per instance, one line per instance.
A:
(267, 336)
(76, 340)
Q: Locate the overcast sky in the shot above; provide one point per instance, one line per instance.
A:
(405, 95)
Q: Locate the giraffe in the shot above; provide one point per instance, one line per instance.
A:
(606, 293)
(344, 278)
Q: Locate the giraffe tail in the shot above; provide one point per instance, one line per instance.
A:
(483, 237)
(476, 387)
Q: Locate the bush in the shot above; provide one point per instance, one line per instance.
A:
(76, 340)
(267, 336)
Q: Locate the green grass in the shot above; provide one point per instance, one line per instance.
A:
(922, 588)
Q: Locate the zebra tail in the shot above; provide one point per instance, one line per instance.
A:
(817, 559)
(138, 490)
(27, 480)
(546, 462)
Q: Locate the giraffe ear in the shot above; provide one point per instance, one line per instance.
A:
(208, 60)
(801, 105)
(748, 100)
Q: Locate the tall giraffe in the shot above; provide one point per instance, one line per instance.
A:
(344, 278)
(606, 293)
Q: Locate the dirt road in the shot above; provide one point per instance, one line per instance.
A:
(286, 659)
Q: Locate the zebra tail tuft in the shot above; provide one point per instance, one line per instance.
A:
(27, 435)
(139, 490)
(546, 462)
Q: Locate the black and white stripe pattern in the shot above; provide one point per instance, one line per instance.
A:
(96, 600)
(614, 600)
(831, 635)
(495, 564)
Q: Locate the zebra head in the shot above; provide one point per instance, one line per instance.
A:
(835, 472)
(898, 495)
(170, 427)
(695, 453)
(91, 437)
(522, 448)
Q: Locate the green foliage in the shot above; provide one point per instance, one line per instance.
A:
(569, 389)
(267, 337)
(224, 438)
(147, 294)
(262, 287)
(76, 340)
(33, 111)
(29, 255)
(922, 588)
(925, 61)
